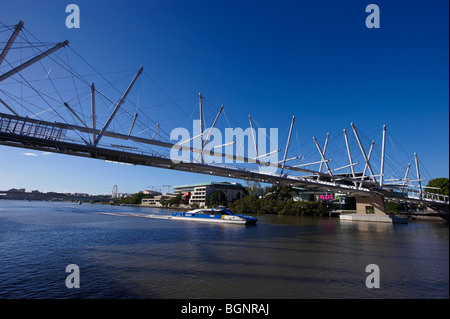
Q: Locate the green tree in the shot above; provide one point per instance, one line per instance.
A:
(136, 199)
(175, 200)
(132, 200)
(392, 208)
(255, 205)
(442, 183)
(164, 203)
(278, 192)
(217, 198)
(245, 205)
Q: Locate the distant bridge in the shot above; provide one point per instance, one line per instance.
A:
(50, 196)
(36, 128)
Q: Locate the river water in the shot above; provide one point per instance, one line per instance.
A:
(282, 257)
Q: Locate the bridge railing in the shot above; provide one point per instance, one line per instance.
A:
(428, 197)
(438, 197)
(31, 128)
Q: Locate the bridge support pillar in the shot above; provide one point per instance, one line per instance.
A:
(370, 205)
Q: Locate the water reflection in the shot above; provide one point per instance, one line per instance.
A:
(346, 225)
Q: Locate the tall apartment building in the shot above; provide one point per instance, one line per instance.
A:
(199, 193)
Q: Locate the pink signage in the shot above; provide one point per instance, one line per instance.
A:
(328, 197)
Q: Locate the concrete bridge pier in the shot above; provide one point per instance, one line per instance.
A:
(370, 205)
(372, 209)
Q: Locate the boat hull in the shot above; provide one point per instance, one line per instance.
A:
(222, 219)
(211, 220)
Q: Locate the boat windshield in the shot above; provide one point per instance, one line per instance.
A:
(223, 211)
(214, 211)
(210, 212)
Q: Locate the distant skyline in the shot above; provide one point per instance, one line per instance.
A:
(315, 60)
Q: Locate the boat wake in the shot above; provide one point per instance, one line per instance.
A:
(152, 216)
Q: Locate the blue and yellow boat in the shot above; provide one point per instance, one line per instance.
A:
(214, 215)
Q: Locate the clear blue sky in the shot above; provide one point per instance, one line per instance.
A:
(272, 59)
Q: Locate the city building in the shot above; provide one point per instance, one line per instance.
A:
(199, 193)
(151, 192)
(156, 200)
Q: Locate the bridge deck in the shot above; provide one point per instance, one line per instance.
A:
(46, 136)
